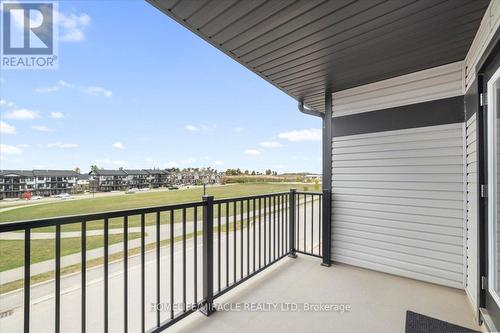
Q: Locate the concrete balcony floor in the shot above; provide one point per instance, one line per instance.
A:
(378, 301)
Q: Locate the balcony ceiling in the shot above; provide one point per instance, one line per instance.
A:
(308, 47)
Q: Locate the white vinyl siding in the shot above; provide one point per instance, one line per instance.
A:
(423, 86)
(472, 198)
(398, 202)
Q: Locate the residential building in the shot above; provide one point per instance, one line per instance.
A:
(52, 182)
(136, 178)
(13, 183)
(209, 176)
(196, 176)
(158, 178)
(108, 180)
(83, 179)
(82, 183)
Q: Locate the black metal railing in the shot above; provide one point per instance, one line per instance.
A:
(308, 223)
(162, 266)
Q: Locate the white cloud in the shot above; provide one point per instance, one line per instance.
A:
(66, 84)
(72, 27)
(6, 128)
(42, 128)
(270, 144)
(206, 128)
(238, 129)
(253, 152)
(56, 115)
(99, 91)
(118, 145)
(9, 150)
(62, 145)
(191, 128)
(47, 89)
(22, 114)
(91, 90)
(218, 162)
(312, 134)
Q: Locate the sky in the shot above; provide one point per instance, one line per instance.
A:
(134, 89)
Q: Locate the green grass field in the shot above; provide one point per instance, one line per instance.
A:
(43, 249)
(138, 200)
(11, 252)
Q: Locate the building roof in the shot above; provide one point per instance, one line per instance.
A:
(103, 172)
(135, 172)
(55, 173)
(309, 47)
(156, 172)
(83, 176)
(21, 173)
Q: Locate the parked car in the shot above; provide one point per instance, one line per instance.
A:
(36, 197)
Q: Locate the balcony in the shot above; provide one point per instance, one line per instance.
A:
(378, 302)
(226, 255)
(185, 255)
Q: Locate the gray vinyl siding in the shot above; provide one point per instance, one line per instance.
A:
(472, 198)
(398, 202)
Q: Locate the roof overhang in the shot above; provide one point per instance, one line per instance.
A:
(309, 47)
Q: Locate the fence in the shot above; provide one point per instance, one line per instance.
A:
(178, 258)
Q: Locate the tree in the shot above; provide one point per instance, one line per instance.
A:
(77, 170)
(268, 172)
(27, 195)
(120, 168)
(94, 168)
(316, 184)
(253, 173)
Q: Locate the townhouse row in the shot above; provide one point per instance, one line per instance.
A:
(14, 183)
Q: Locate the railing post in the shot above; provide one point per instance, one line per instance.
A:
(291, 223)
(326, 228)
(208, 255)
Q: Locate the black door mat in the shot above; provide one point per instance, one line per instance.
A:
(418, 323)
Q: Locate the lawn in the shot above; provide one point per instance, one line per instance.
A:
(44, 250)
(12, 251)
(139, 200)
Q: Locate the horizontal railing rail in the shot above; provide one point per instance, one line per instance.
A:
(182, 255)
(60, 220)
